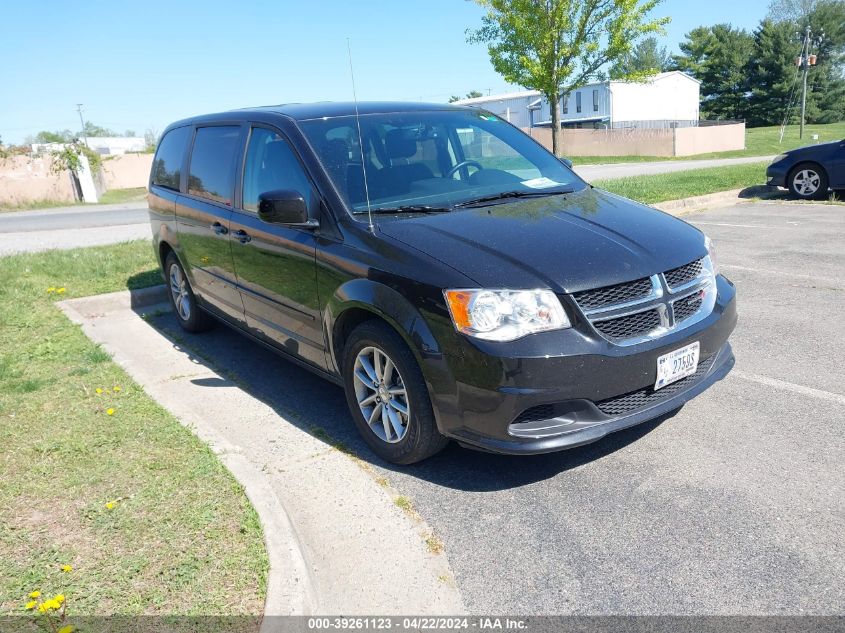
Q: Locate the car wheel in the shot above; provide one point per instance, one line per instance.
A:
(808, 181)
(182, 299)
(387, 395)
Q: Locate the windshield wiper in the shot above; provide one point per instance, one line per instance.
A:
(411, 208)
(513, 194)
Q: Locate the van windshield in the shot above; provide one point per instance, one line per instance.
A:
(433, 159)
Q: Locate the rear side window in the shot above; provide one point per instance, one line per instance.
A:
(167, 166)
(212, 172)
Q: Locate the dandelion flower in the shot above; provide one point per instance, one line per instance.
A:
(60, 291)
(99, 390)
(66, 629)
(116, 388)
(43, 608)
(67, 568)
(110, 505)
(31, 605)
(51, 290)
(35, 594)
(109, 411)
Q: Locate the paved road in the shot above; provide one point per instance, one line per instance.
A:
(733, 506)
(71, 227)
(38, 230)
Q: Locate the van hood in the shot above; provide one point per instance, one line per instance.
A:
(567, 243)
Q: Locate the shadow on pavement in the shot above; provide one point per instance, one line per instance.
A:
(318, 407)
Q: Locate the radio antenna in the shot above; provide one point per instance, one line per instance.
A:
(360, 137)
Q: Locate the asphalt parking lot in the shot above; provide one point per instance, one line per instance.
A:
(734, 505)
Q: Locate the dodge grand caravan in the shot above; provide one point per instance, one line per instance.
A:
(457, 279)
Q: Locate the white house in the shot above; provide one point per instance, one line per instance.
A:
(107, 145)
(668, 99)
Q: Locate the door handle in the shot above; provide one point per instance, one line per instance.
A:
(219, 229)
(242, 236)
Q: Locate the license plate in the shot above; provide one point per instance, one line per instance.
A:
(675, 365)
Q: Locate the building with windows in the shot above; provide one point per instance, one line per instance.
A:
(666, 100)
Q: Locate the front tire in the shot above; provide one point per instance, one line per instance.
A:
(388, 397)
(808, 181)
(182, 298)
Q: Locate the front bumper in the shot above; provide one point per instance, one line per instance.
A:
(563, 389)
(776, 175)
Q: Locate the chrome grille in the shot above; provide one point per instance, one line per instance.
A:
(683, 274)
(630, 312)
(648, 397)
(611, 295)
(629, 326)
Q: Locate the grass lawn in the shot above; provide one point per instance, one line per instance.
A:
(39, 204)
(759, 141)
(683, 184)
(96, 475)
(114, 196)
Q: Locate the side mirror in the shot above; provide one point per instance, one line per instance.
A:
(285, 206)
(565, 161)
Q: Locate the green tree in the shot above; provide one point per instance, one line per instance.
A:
(772, 73)
(59, 136)
(646, 57)
(826, 81)
(719, 57)
(96, 130)
(556, 46)
(472, 94)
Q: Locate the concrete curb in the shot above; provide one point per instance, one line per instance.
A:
(337, 543)
(697, 203)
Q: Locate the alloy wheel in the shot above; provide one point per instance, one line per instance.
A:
(381, 395)
(806, 182)
(179, 292)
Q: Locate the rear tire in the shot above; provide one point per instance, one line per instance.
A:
(388, 397)
(808, 181)
(182, 299)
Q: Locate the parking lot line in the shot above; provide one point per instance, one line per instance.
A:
(819, 394)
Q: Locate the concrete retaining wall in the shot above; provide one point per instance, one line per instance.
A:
(127, 170)
(24, 180)
(686, 141)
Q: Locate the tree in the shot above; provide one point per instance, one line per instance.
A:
(59, 136)
(129, 133)
(772, 73)
(790, 10)
(719, 57)
(556, 46)
(646, 57)
(96, 130)
(472, 94)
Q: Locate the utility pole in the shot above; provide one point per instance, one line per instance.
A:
(82, 123)
(805, 65)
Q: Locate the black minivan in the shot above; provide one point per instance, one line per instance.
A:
(457, 279)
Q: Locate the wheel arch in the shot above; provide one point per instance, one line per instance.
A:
(360, 300)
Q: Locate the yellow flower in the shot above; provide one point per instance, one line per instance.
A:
(43, 608)
(31, 605)
(60, 291)
(109, 411)
(67, 568)
(59, 598)
(51, 605)
(98, 390)
(51, 290)
(35, 594)
(109, 505)
(66, 629)
(116, 388)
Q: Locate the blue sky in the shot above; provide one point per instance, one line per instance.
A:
(138, 65)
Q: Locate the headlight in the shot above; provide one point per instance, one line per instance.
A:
(711, 251)
(505, 315)
(778, 158)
